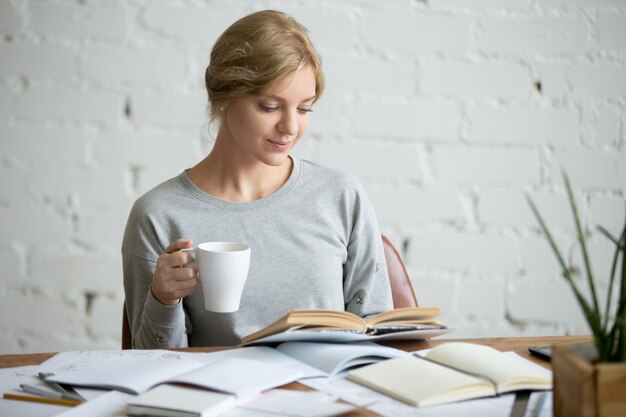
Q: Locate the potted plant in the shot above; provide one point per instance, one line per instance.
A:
(592, 382)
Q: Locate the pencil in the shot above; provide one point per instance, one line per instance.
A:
(68, 403)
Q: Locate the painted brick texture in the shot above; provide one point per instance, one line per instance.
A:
(450, 112)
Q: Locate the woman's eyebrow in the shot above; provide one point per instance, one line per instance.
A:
(278, 98)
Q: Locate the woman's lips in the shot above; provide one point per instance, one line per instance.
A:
(281, 146)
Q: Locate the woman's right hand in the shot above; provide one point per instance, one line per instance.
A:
(173, 277)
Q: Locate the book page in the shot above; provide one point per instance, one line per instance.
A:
(420, 382)
(333, 358)
(136, 371)
(326, 317)
(127, 375)
(309, 319)
(79, 360)
(241, 377)
(507, 372)
(493, 407)
(405, 315)
(344, 336)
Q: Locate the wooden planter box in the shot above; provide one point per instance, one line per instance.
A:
(586, 389)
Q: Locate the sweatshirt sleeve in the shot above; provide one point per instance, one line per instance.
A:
(366, 281)
(152, 324)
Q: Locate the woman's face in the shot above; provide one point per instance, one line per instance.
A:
(267, 127)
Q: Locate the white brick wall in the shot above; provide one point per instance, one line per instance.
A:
(75, 21)
(528, 36)
(480, 164)
(466, 80)
(414, 119)
(188, 25)
(40, 104)
(449, 111)
(52, 61)
(162, 66)
(523, 125)
(401, 33)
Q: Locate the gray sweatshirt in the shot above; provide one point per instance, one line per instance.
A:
(315, 243)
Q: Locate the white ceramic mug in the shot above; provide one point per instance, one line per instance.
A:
(222, 272)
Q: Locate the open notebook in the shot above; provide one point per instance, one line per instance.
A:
(451, 372)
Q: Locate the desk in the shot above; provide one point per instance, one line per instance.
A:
(518, 344)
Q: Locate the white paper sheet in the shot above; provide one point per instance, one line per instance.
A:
(257, 353)
(388, 407)
(347, 336)
(241, 377)
(493, 407)
(333, 358)
(128, 375)
(111, 404)
(10, 380)
(81, 360)
(281, 402)
(345, 389)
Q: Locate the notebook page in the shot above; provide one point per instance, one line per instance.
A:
(420, 382)
(507, 371)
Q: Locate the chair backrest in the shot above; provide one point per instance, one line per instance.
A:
(401, 288)
(127, 336)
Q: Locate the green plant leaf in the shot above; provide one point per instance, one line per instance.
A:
(583, 244)
(611, 344)
(548, 235)
(618, 250)
(617, 336)
(592, 316)
(621, 310)
(609, 236)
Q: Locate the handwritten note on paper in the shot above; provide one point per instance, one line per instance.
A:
(84, 359)
(127, 375)
(79, 360)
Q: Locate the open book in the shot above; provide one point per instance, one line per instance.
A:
(325, 325)
(137, 376)
(451, 372)
(234, 371)
(334, 358)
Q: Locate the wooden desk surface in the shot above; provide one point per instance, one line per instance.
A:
(518, 344)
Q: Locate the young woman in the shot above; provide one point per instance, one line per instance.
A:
(314, 236)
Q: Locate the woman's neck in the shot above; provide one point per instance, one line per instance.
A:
(227, 176)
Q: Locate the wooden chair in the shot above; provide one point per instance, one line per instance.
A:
(401, 288)
(127, 336)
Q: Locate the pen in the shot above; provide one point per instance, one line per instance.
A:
(33, 389)
(55, 401)
(68, 393)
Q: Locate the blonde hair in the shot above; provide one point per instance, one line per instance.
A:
(254, 53)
